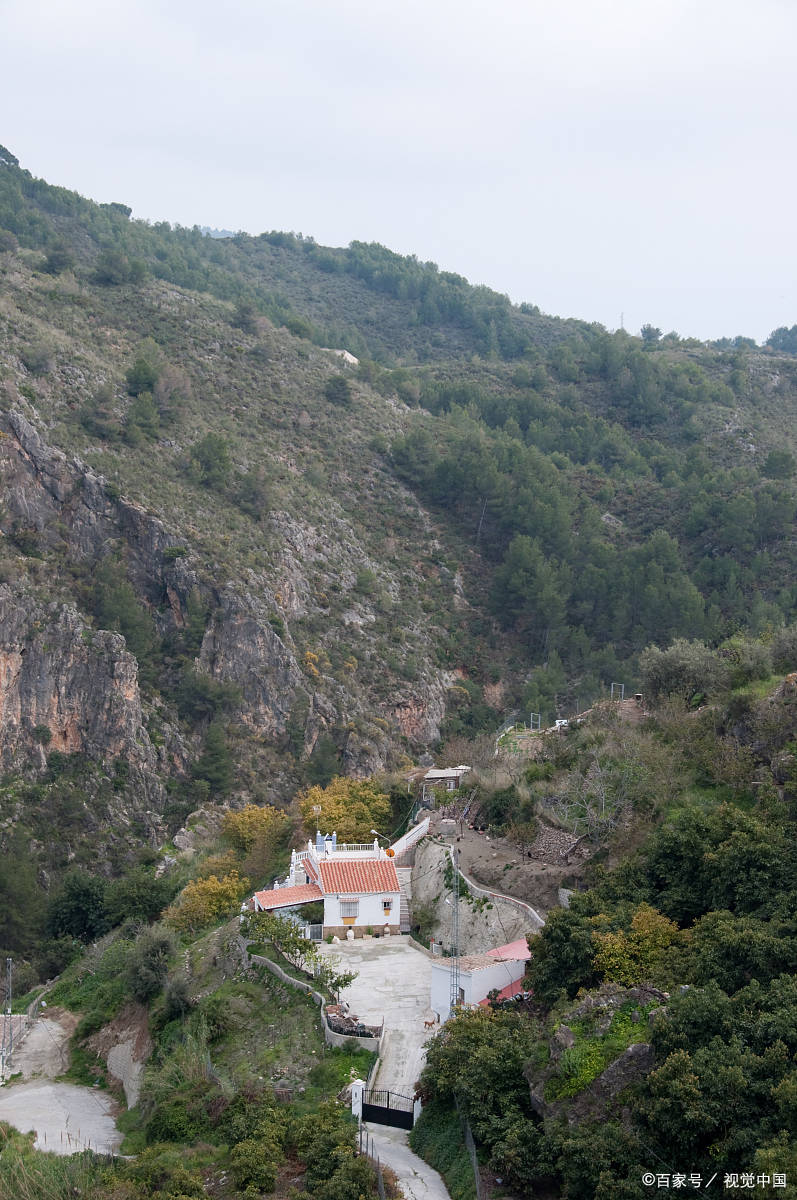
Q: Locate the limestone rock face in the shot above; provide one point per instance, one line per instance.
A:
(241, 647)
(599, 1099)
(77, 683)
(61, 500)
(480, 928)
(420, 714)
(60, 504)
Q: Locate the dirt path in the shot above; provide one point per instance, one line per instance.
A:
(44, 1049)
(495, 862)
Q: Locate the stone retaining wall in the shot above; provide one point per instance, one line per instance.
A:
(330, 1036)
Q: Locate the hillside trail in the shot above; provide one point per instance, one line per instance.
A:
(44, 1048)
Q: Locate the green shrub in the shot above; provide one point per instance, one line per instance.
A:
(337, 390)
(437, 1137)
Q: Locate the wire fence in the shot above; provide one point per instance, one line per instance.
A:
(470, 1146)
(367, 1148)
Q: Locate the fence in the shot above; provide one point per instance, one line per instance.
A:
(366, 1147)
(470, 1146)
(313, 933)
(388, 1108)
(331, 1035)
(521, 904)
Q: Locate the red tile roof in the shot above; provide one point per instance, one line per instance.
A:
(506, 993)
(359, 875)
(512, 950)
(288, 896)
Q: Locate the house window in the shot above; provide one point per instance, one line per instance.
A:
(387, 904)
(349, 910)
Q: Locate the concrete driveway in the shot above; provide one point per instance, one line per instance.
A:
(418, 1181)
(394, 982)
(67, 1118)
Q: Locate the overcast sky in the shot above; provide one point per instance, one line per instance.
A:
(628, 157)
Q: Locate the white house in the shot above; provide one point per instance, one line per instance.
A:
(358, 883)
(446, 779)
(501, 970)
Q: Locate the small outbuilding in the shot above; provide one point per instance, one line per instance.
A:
(501, 970)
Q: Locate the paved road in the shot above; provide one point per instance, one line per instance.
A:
(418, 1180)
(66, 1118)
(394, 982)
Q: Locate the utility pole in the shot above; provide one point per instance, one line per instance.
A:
(8, 1028)
(453, 999)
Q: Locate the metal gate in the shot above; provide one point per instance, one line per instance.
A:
(388, 1108)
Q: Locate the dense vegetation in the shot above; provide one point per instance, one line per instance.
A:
(494, 510)
(688, 944)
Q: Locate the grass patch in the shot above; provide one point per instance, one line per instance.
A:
(21, 1003)
(583, 1062)
(84, 1067)
(27, 1174)
(438, 1138)
(269, 1033)
(133, 1125)
(336, 1069)
(96, 987)
(758, 689)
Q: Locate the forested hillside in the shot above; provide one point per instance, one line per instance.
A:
(330, 564)
(658, 1040)
(237, 563)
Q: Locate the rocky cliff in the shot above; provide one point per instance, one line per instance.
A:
(84, 687)
(66, 686)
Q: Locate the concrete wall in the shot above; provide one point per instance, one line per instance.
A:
(331, 1037)
(342, 931)
(370, 911)
(480, 928)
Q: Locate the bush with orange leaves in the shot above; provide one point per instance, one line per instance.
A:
(350, 807)
(203, 901)
(257, 834)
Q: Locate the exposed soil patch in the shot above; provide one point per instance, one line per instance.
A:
(552, 862)
(44, 1051)
(125, 1045)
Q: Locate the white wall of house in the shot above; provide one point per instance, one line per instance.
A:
(475, 984)
(441, 982)
(370, 910)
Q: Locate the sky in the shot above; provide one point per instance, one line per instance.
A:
(624, 161)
